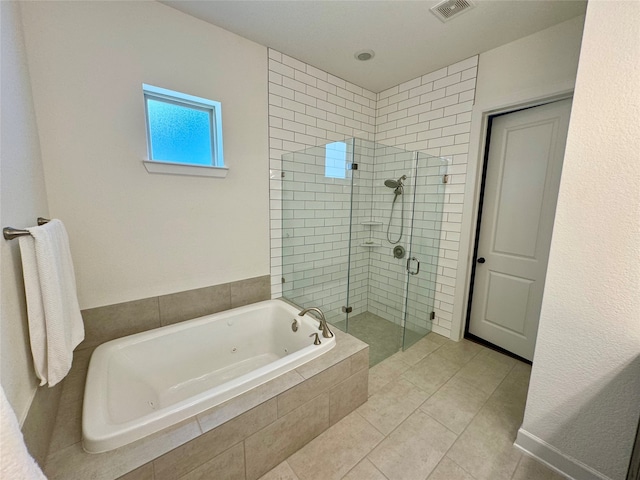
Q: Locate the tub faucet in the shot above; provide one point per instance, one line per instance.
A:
(326, 333)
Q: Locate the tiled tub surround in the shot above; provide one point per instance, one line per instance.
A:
(240, 439)
(106, 323)
(142, 383)
(40, 422)
(431, 114)
(114, 321)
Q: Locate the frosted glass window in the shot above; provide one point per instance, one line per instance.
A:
(335, 165)
(183, 129)
(179, 133)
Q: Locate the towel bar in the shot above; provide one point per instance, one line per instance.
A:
(10, 233)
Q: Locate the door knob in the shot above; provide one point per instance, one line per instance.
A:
(481, 260)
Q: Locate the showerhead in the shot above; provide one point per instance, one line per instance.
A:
(395, 183)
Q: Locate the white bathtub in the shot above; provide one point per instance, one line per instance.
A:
(140, 384)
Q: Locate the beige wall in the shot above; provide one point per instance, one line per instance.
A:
(536, 67)
(22, 200)
(548, 57)
(584, 398)
(134, 234)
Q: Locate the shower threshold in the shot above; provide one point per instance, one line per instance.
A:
(384, 337)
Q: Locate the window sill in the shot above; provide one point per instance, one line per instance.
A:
(167, 168)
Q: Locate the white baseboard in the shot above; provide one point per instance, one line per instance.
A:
(555, 459)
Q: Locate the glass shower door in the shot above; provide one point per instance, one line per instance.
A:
(381, 217)
(422, 256)
(316, 224)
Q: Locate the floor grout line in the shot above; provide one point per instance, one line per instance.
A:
(412, 411)
(439, 422)
(471, 421)
(517, 465)
(458, 436)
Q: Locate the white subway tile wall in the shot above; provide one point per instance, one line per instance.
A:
(317, 212)
(419, 210)
(432, 114)
(310, 108)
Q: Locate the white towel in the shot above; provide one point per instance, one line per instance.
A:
(15, 461)
(55, 322)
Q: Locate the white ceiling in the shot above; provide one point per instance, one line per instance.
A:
(407, 38)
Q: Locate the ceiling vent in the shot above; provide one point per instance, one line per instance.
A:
(450, 9)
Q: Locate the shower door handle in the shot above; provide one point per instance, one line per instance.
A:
(409, 265)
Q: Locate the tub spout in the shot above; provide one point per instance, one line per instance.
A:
(326, 332)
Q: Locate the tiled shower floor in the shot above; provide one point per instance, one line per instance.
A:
(441, 410)
(384, 337)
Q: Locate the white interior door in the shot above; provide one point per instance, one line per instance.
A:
(521, 190)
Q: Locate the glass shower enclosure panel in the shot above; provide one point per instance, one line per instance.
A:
(361, 229)
(316, 222)
(379, 234)
(423, 253)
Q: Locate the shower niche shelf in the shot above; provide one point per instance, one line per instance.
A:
(370, 243)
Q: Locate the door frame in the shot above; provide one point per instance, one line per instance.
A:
(479, 213)
(478, 146)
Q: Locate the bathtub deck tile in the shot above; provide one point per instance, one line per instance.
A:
(39, 426)
(73, 463)
(273, 444)
(181, 306)
(360, 360)
(231, 462)
(69, 462)
(220, 414)
(346, 346)
(145, 472)
(314, 386)
(68, 428)
(68, 424)
(200, 450)
(251, 290)
(348, 395)
(102, 324)
(73, 384)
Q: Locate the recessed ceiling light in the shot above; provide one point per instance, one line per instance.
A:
(364, 55)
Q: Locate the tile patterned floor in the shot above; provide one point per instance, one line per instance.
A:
(439, 411)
